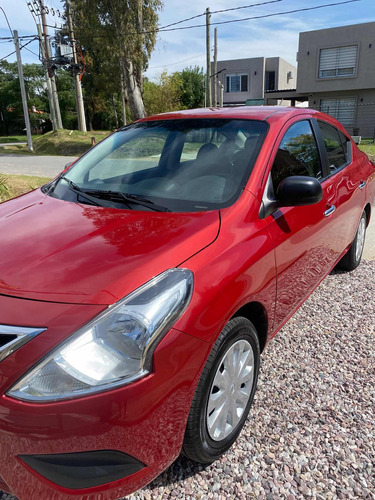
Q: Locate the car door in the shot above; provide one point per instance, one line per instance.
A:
(344, 185)
(304, 250)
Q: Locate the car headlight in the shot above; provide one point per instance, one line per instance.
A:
(115, 348)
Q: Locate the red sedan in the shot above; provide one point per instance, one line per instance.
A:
(139, 287)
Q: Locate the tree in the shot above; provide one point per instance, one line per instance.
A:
(164, 95)
(11, 111)
(121, 34)
(191, 87)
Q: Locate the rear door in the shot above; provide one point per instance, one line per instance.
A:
(344, 184)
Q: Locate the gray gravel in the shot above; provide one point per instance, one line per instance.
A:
(311, 430)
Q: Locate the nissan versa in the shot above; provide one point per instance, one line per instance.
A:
(139, 287)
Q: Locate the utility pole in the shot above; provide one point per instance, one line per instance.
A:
(23, 91)
(49, 58)
(215, 67)
(48, 80)
(77, 81)
(208, 54)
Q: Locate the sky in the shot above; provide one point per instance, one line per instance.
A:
(275, 36)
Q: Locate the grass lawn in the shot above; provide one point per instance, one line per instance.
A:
(58, 143)
(15, 185)
(369, 149)
(16, 138)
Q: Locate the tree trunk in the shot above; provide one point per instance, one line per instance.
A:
(139, 68)
(136, 105)
(89, 116)
(123, 97)
(115, 111)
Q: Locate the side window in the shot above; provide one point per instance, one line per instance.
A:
(337, 156)
(347, 145)
(297, 154)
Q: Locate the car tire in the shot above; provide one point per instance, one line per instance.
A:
(353, 256)
(223, 397)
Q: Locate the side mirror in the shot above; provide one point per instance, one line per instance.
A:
(292, 191)
(68, 164)
(298, 190)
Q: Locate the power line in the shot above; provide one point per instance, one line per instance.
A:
(6, 18)
(32, 52)
(231, 20)
(219, 11)
(183, 20)
(257, 17)
(245, 6)
(10, 38)
(22, 47)
(178, 62)
(2, 59)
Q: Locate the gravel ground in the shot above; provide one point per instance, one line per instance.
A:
(311, 431)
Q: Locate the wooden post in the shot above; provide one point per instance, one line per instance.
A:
(23, 91)
(208, 54)
(215, 68)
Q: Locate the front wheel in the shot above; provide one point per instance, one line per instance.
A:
(353, 256)
(224, 393)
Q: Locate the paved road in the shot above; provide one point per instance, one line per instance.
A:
(45, 166)
(50, 166)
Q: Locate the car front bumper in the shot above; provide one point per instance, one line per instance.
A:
(109, 444)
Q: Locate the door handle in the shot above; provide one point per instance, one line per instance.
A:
(330, 211)
(362, 185)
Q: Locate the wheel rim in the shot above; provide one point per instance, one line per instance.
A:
(360, 240)
(230, 390)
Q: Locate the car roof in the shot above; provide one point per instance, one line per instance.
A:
(242, 112)
(274, 115)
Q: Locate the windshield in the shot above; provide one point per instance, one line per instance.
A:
(174, 165)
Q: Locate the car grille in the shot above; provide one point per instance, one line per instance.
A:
(14, 337)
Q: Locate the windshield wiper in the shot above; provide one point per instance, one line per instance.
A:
(74, 187)
(128, 198)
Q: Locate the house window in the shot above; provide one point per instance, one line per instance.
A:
(338, 62)
(270, 80)
(341, 109)
(237, 83)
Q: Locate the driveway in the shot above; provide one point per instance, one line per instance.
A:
(310, 432)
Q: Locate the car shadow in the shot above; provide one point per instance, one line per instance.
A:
(179, 470)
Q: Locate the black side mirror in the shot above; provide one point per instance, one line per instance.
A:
(292, 191)
(298, 190)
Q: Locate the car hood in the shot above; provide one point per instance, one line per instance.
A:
(58, 251)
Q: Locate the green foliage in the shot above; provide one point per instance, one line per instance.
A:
(4, 188)
(191, 87)
(66, 143)
(107, 30)
(20, 184)
(10, 96)
(369, 149)
(11, 104)
(180, 90)
(164, 95)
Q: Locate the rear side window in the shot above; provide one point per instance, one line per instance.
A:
(297, 154)
(337, 150)
(347, 146)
